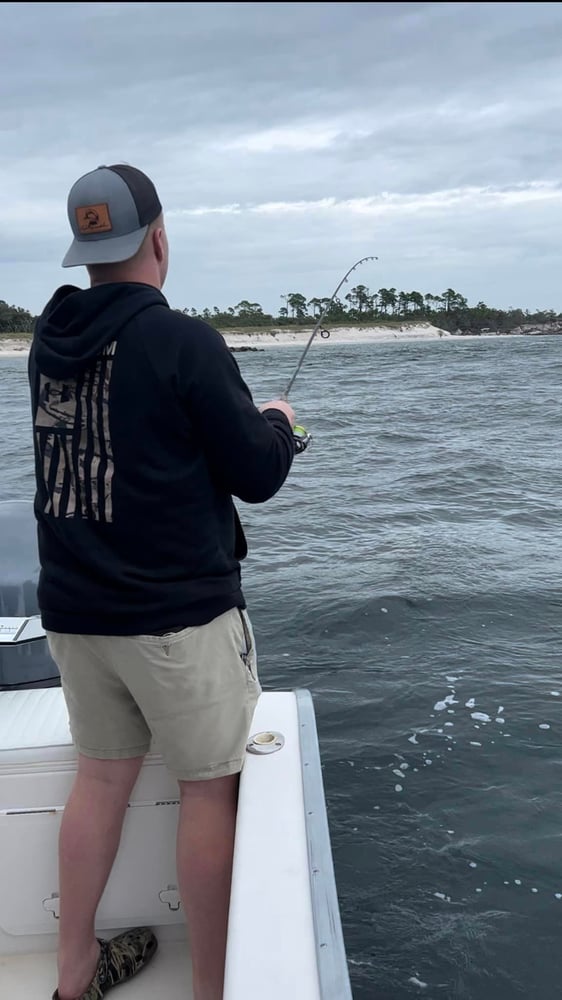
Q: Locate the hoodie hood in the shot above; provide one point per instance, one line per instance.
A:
(77, 324)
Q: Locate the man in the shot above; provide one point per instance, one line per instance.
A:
(144, 431)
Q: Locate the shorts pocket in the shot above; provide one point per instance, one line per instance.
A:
(248, 652)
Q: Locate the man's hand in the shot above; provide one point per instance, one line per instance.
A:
(280, 404)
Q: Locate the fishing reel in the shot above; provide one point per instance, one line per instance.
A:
(301, 438)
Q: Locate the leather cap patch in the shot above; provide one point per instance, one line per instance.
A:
(93, 219)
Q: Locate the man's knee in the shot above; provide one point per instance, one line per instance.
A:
(224, 789)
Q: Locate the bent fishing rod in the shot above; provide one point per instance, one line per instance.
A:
(301, 436)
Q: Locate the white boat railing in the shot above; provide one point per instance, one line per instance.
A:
(330, 948)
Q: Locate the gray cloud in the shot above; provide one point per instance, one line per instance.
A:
(450, 109)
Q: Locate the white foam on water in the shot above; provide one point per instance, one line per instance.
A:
(449, 723)
(399, 774)
(440, 706)
(558, 895)
(451, 711)
(517, 881)
(398, 788)
(474, 744)
(428, 762)
(501, 722)
(480, 716)
(452, 679)
(479, 890)
(555, 694)
(384, 611)
(404, 767)
(534, 890)
(472, 864)
(470, 703)
(500, 710)
(544, 725)
(417, 982)
(441, 895)
(450, 831)
(412, 739)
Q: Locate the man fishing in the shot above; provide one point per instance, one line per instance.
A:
(144, 431)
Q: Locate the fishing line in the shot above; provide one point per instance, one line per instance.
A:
(301, 436)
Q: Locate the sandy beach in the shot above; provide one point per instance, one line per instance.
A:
(283, 337)
(13, 347)
(338, 335)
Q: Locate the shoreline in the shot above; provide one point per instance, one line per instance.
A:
(257, 340)
(14, 347)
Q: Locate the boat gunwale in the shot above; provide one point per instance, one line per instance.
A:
(331, 956)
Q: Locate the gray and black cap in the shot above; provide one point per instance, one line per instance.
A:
(110, 210)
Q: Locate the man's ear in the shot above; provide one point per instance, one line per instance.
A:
(159, 244)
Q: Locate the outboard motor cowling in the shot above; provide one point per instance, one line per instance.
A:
(25, 661)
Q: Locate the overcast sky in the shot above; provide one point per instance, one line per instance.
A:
(288, 139)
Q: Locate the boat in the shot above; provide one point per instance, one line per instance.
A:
(285, 936)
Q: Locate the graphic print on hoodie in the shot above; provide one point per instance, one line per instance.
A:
(77, 469)
(75, 355)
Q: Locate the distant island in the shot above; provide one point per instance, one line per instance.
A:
(360, 308)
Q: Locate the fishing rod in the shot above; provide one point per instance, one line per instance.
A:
(301, 436)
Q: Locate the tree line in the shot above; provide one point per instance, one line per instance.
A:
(14, 319)
(449, 310)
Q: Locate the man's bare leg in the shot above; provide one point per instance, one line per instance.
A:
(204, 861)
(89, 839)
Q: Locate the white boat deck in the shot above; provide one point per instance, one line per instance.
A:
(284, 936)
(34, 977)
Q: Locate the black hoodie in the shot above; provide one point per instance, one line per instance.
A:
(144, 430)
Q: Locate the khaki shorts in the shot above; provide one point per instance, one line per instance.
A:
(191, 693)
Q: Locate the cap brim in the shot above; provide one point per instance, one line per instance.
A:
(108, 251)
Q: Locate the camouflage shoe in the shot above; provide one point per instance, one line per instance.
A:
(120, 959)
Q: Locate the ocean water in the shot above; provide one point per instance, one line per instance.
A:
(410, 575)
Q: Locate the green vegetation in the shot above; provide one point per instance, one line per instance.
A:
(13, 319)
(450, 311)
